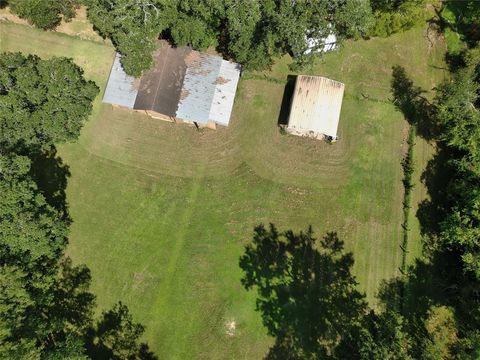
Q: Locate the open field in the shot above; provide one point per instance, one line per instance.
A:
(161, 211)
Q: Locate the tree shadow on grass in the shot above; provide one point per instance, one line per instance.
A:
(307, 295)
(436, 177)
(409, 99)
(429, 283)
(51, 176)
(286, 101)
(115, 336)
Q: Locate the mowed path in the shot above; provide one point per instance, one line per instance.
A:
(161, 212)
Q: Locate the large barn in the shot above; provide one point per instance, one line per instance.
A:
(315, 108)
(183, 86)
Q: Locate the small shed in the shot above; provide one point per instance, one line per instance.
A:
(315, 108)
(184, 85)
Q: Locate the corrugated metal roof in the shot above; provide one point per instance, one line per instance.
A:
(183, 83)
(161, 87)
(198, 87)
(225, 89)
(120, 89)
(316, 106)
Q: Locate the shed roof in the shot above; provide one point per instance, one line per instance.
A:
(183, 83)
(224, 95)
(161, 87)
(316, 105)
(198, 87)
(120, 88)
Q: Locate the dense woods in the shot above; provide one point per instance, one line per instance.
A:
(250, 32)
(46, 309)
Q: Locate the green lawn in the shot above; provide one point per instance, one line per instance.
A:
(161, 212)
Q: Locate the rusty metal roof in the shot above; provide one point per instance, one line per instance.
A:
(183, 83)
(316, 106)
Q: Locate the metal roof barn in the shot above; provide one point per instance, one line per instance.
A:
(120, 89)
(184, 84)
(316, 106)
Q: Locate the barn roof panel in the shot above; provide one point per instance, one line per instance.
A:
(120, 88)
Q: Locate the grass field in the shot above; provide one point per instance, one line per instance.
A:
(161, 212)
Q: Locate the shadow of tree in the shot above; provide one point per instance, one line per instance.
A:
(115, 336)
(307, 295)
(436, 281)
(409, 100)
(436, 177)
(51, 176)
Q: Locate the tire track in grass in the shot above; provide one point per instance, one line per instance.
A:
(165, 292)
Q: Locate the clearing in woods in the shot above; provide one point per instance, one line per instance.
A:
(161, 212)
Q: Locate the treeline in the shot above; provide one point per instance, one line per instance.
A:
(252, 32)
(306, 294)
(46, 308)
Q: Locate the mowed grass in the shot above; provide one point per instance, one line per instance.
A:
(161, 212)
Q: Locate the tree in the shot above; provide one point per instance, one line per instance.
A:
(32, 233)
(442, 333)
(116, 335)
(306, 294)
(42, 102)
(133, 27)
(45, 14)
(250, 31)
(392, 16)
(458, 116)
(46, 308)
(378, 336)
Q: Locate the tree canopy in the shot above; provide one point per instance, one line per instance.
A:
(46, 308)
(45, 14)
(251, 32)
(41, 101)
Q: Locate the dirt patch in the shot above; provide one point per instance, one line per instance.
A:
(141, 279)
(230, 327)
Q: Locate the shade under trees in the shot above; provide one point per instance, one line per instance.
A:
(251, 32)
(46, 308)
(309, 301)
(45, 14)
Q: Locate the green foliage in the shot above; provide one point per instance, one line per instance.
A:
(41, 101)
(133, 27)
(252, 32)
(46, 309)
(45, 14)
(459, 118)
(378, 336)
(462, 18)
(392, 16)
(32, 233)
(442, 333)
